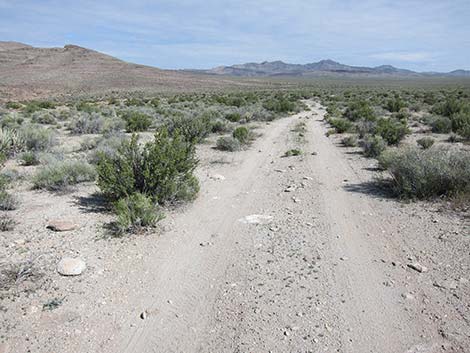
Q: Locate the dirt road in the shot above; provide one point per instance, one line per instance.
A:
(325, 269)
(295, 254)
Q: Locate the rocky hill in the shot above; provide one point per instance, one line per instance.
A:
(27, 73)
(323, 67)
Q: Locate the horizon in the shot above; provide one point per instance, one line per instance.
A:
(416, 35)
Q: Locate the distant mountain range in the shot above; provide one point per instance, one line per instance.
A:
(323, 67)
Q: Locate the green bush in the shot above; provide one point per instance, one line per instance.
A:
(341, 125)
(395, 105)
(137, 121)
(426, 142)
(87, 123)
(13, 105)
(162, 169)
(349, 141)
(43, 117)
(233, 117)
(135, 212)
(219, 127)
(391, 130)
(428, 173)
(461, 124)
(441, 124)
(59, 175)
(228, 143)
(6, 223)
(194, 129)
(242, 134)
(359, 110)
(373, 146)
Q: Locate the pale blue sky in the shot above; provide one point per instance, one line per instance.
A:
(423, 35)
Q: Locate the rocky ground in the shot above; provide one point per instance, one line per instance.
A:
(278, 254)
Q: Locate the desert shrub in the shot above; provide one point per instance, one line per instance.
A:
(242, 134)
(8, 202)
(349, 141)
(402, 115)
(86, 107)
(11, 120)
(88, 143)
(135, 212)
(449, 107)
(13, 105)
(35, 106)
(134, 102)
(137, 121)
(341, 125)
(43, 117)
(161, 169)
(279, 104)
(60, 175)
(395, 104)
(461, 124)
(359, 110)
(428, 173)
(194, 129)
(391, 130)
(29, 158)
(365, 127)
(233, 117)
(425, 142)
(38, 138)
(373, 146)
(441, 124)
(219, 127)
(6, 223)
(107, 145)
(228, 143)
(87, 123)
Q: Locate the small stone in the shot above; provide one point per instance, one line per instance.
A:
(307, 178)
(143, 315)
(418, 267)
(217, 177)
(408, 296)
(296, 200)
(314, 153)
(344, 258)
(205, 243)
(280, 170)
(71, 266)
(61, 226)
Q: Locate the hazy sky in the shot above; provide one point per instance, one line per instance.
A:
(422, 35)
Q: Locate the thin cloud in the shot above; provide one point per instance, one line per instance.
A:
(403, 56)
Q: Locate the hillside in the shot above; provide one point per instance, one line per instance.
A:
(27, 72)
(323, 67)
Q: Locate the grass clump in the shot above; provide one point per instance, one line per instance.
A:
(418, 173)
(292, 152)
(59, 175)
(29, 158)
(228, 143)
(161, 169)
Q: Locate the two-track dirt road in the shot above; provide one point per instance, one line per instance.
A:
(326, 271)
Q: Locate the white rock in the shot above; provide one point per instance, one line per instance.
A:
(71, 266)
(256, 219)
